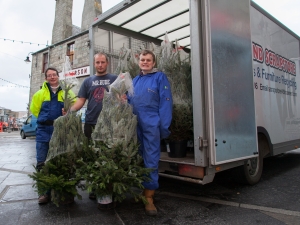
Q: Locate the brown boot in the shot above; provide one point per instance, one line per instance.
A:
(150, 207)
(43, 199)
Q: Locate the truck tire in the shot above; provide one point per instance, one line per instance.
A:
(253, 169)
(23, 136)
(250, 173)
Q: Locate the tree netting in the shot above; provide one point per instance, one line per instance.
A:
(114, 166)
(116, 123)
(68, 134)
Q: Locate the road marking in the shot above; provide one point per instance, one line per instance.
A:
(15, 171)
(235, 204)
(6, 189)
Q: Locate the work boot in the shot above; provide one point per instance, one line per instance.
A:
(150, 207)
(43, 199)
(39, 166)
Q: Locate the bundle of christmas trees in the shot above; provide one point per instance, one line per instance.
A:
(113, 166)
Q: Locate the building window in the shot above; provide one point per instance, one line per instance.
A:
(70, 52)
(45, 62)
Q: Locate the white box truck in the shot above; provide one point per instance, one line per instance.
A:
(245, 70)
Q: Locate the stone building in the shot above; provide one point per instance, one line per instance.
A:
(72, 41)
(67, 40)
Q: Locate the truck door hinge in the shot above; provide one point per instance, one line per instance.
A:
(202, 143)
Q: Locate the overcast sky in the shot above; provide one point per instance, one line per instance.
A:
(32, 21)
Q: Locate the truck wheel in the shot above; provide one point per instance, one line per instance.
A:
(23, 135)
(253, 169)
(250, 172)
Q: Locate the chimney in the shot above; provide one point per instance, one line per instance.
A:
(91, 9)
(62, 27)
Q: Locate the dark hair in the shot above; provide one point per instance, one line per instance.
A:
(146, 52)
(101, 54)
(51, 68)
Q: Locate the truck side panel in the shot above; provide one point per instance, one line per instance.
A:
(275, 55)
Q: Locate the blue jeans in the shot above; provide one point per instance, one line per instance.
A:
(41, 151)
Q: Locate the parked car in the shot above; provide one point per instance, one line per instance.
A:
(29, 127)
(21, 121)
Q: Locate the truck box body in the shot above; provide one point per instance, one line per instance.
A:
(276, 75)
(245, 70)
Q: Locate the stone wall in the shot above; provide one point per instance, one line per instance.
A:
(57, 59)
(91, 9)
(62, 27)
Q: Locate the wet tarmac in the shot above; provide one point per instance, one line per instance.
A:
(177, 202)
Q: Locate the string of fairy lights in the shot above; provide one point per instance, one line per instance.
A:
(23, 42)
(12, 84)
(38, 44)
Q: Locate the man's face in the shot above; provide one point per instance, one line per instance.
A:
(146, 63)
(100, 64)
(52, 78)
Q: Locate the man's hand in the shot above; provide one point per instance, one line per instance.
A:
(64, 112)
(124, 98)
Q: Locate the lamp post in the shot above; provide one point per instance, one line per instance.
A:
(27, 60)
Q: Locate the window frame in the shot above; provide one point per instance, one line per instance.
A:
(71, 52)
(45, 61)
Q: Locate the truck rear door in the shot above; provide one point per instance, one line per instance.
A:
(229, 115)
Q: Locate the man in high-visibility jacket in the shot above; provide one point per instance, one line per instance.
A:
(47, 105)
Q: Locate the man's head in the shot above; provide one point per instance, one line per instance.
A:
(146, 61)
(51, 75)
(100, 63)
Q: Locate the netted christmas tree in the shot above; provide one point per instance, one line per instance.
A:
(68, 134)
(114, 165)
(128, 62)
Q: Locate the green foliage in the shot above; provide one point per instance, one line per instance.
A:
(58, 175)
(112, 165)
(113, 170)
(68, 99)
(182, 120)
(65, 148)
(178, 71)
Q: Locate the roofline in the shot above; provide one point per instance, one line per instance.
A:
(127, 3)
(264, 12)
(113, 11)
(61, 42)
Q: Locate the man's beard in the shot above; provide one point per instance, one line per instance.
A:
(101, 71)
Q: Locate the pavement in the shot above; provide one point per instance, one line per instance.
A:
(175, 203)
